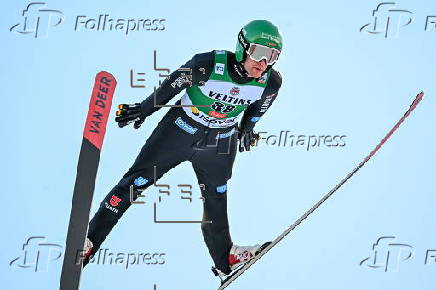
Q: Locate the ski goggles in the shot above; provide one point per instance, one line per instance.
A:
(257, 52)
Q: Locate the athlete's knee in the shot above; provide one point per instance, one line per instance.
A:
(214, 190)
(221, 189)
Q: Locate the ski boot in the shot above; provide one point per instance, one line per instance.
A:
(87, 251)
(239, 256)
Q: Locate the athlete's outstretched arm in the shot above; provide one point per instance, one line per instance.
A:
(196, 71)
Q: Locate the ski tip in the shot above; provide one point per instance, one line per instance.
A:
(107, 75)
(415, 102)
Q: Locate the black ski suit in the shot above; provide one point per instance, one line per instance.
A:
(178, 138)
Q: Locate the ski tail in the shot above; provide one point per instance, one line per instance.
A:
(89, 157)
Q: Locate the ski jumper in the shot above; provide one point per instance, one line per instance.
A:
(203, 132)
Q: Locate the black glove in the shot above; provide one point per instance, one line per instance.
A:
(247, 139)
(127, 114)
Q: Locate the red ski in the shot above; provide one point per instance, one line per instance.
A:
(93, 135)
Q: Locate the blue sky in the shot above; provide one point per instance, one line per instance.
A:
(337, 80)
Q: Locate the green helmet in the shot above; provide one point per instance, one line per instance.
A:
(261, 32)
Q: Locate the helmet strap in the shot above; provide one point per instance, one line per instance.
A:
(245, 45)
(242, 41)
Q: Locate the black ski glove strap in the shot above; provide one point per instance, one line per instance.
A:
(247, 139)
(127, 114)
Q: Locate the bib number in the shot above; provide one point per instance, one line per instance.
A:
(223, 108)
